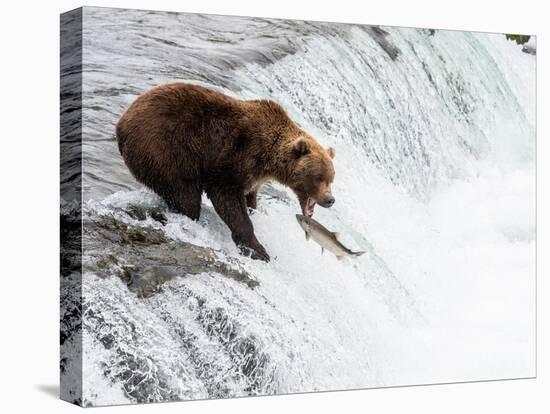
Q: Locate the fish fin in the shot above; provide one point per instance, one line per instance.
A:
(322, 250)
(339, 257)
(307, 235)
(358, 253)
(336, 234)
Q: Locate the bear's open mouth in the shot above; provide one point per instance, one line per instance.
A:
(309, 207)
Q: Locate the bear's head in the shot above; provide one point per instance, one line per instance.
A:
(312, 174)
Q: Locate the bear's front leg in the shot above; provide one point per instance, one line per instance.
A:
(231, 207)
(252, 200)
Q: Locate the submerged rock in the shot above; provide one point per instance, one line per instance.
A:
(429, 32)
(531, 46)
(139, 253)
(142, 213)
(380, 36)
(144, 258)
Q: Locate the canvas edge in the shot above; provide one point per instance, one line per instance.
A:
(71, 206)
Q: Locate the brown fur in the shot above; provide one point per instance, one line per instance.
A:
(181, 139)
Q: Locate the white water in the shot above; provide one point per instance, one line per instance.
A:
(435, 179)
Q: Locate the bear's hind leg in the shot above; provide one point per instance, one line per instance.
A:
(231, 207)
(184, 197)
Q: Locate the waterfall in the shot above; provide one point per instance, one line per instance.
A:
(434, 134)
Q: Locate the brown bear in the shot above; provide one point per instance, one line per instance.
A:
(182, 139)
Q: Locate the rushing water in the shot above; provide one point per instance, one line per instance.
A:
(435, 178)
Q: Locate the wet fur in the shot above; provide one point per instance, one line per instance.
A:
(181, 140)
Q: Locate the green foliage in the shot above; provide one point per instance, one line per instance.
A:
(519, 39)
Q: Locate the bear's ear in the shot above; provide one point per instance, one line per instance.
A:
(300, 147)
(331, 152)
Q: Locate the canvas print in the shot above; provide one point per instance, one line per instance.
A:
(254, 206)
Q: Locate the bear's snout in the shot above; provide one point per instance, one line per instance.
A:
(327, 202)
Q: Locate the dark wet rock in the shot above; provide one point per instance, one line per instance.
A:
(112, 230)
(71, 241)
(381, 37)
(529, 48)
(147, 281)
(142, 213)
(133, 371)
(144, 258)
(144, 378)
(428, 32)
(106, 261)
(529, 45)
(70, 335)
(252, 363)
(108, 340)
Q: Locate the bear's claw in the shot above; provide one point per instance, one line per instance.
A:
(260, 256)
(257, 253)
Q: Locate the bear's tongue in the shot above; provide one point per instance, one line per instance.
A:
(310, 205)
